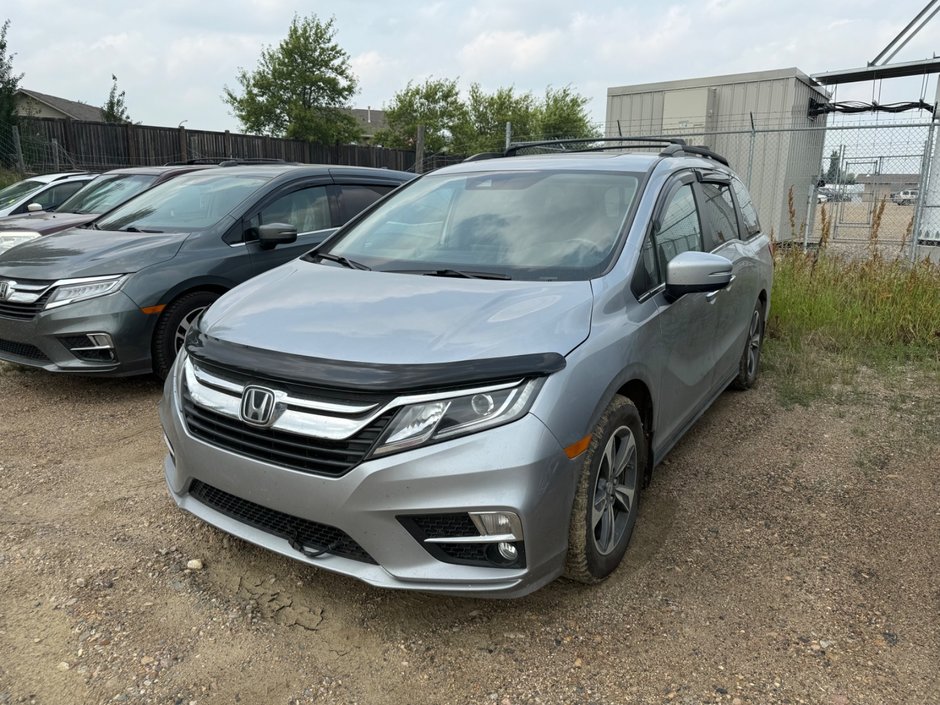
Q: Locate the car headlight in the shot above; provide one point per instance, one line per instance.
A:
(69, 291)
(443, 416)
(11, 238)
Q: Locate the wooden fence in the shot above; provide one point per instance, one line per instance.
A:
(50, 144)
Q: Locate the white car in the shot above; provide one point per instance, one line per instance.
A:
(48, 191)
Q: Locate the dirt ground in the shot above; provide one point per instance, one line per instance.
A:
(782, 555)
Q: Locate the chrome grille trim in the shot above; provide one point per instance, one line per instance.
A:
(299, 415)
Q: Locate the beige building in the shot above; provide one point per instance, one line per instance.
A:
(756, 120)
(35, 104)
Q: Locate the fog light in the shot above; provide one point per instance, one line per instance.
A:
(503, 524)
(507, 551)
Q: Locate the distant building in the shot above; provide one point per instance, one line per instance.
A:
(370, 121)
(720, 112)
(35, 104)
(882, 186)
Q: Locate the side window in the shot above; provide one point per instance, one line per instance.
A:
(748, 214)
(57, 195)
(352, 199)
(307, 210)
(718, 213)
(679, 231)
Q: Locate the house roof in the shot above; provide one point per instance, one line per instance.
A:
(884, 179)
(370, 121)
(70, 108)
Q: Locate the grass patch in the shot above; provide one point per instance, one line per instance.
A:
(830, 316)
(8, 176)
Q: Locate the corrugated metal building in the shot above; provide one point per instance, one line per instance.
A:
(753, 119)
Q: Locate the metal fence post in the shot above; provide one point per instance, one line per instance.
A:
(419, 150)
(18, 150)
(508, 134)
(926, 163)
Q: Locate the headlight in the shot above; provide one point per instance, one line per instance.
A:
(446, 417)
(14, 237)
(70, 290)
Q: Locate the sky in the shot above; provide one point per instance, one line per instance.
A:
(174, 57)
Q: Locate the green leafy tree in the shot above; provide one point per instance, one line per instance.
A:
(9, 82)
(436, 104)
(834, 172)
(563, 114)
(479, 123)
(484, 130)
(114, 109)
(300, 89)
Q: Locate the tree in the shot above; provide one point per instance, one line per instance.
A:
(435, 104)
(300, 89)
(114, 109)
(563, 114)
(834, 172)
(487, 115)
(479, 123)
(9, 83)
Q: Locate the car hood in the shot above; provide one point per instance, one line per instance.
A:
(45, 223)
(88, 253)
(325, 312)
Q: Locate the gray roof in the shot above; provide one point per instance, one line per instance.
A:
(71, 108)
(894, 179)
(370, 121)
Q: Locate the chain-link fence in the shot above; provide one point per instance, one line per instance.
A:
(852, 185)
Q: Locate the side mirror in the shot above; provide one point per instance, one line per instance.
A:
(693, 272)
(273, 234)
(34, 207)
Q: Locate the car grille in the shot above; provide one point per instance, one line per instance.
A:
(27, 310)
(434, 526)
(290, 450)
(309, 534)
(30, 352)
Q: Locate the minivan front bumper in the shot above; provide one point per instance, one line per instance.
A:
(56, 339)
(518, 468)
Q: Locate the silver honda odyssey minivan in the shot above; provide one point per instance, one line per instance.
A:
(466, 388)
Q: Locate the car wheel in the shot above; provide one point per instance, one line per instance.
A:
(607, 498)
(174, 323)
(749, 366)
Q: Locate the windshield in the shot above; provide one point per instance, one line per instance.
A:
(15, 192)
(106, 192)
(185, 204)
(518, 224)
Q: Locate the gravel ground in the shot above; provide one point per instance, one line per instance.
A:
(781, 556)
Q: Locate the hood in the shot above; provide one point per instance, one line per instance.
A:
(46, 223)
(88, 253)
(325, 312)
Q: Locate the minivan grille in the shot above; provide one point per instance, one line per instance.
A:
(309, 534)
(21, 311)
(25, 311)
(31, 352)
(318, 456)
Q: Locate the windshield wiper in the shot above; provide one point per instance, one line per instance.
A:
(348, 263)
(135, 229)
(463, 274)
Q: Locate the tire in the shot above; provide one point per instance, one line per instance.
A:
(604, 513)
(749, 365)
(172, 326)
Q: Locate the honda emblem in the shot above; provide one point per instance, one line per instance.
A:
(258, 406)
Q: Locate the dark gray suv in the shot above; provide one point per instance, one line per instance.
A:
(465, 388)
(117, 298)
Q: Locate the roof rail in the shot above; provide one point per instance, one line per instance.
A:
(671, 147)
(564, 145)
(693, 150)
(228, 161)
